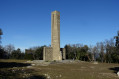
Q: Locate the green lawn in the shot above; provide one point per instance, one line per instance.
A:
(17, 69)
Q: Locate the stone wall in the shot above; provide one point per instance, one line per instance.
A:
(47, 53)
(29, 51)
(63, 54)
(63, 51)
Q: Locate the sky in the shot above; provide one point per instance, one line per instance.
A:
(27, 23)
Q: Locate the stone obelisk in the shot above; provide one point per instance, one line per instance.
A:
(55, 35)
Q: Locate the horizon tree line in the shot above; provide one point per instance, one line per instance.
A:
(106, 51)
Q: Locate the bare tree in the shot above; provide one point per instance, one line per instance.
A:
(90, 51)
(1, 33)
(102, 48)
(109, 48)
(9, 48)
(117, 40)
(94, 51)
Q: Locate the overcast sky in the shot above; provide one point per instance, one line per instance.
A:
(27, 23)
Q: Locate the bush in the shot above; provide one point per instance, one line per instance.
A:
(28, 56)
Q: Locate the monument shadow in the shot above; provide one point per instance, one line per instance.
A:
(115, 69)
(7, 71)
(13, 64)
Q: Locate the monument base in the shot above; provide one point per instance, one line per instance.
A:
(48, 54)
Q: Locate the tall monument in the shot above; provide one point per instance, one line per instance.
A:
(55, 35)
(53, 52)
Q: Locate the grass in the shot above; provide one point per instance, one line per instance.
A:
(81, 70)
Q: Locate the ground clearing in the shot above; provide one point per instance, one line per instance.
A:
(19, 69)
